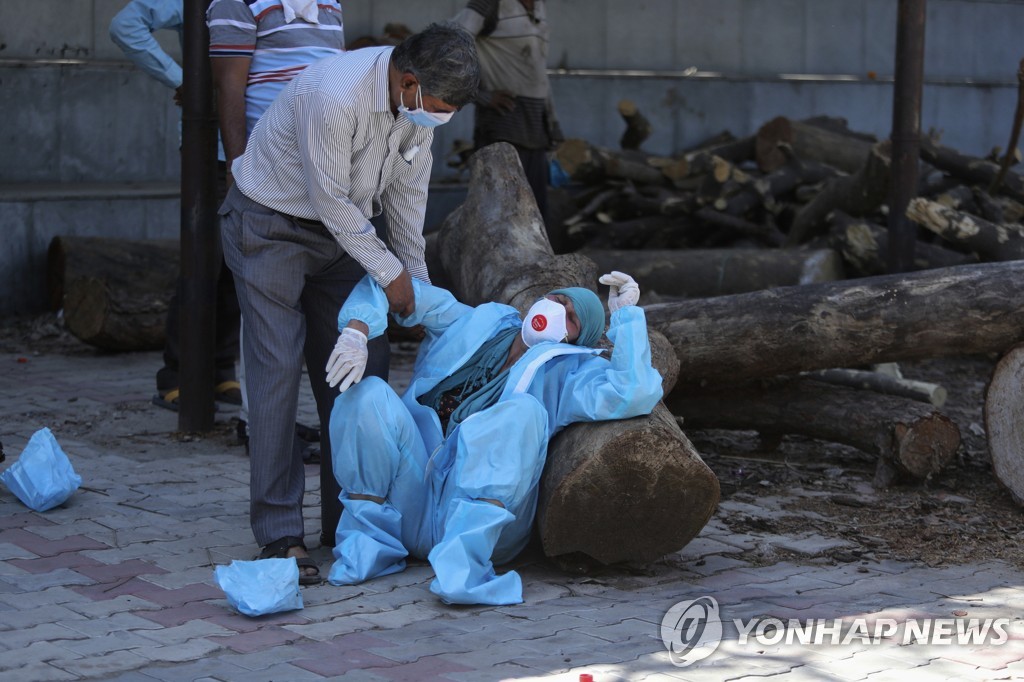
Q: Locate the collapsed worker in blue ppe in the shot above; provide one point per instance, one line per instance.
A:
(450, 470)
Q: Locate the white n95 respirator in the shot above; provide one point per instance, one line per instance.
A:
(544, 321)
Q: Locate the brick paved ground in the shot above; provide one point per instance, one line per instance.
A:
(118, 582)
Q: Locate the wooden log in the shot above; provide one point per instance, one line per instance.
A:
(865, 248)
(992, 242)
(882, 382)
(913, 437)
(655, 231)
(607, 487)
(1004, 422)
(972, 170)
(114, 292)
(934, 313)
(825, 144)
(615, 492)
(857, 194)
(589, 163)
(695, 273)
(764, 232)
(766, 190)
(724, 146)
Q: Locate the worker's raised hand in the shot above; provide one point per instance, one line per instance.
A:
(624, 290)
(401, 298)
(348, 359)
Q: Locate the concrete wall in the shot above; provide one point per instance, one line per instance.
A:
(74, 112)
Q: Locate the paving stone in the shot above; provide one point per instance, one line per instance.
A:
(40, 672)
(187, 632)
(47, 597)
(119, 640)
(179, 652)
(108, 607)
(27, 652)
(97, 627)
(328, 630)
(258, 640)
(27, 618)
(103, 665)
(18, 639)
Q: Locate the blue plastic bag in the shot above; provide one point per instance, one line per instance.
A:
(256, 588)
(43, 476)
(558, 176)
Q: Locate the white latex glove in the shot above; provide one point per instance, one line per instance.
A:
(348, 359)
(624, 290)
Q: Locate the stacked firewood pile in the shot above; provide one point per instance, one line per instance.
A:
(804, 203)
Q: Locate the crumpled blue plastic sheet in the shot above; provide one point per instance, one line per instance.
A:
(256, 588)
(42, 477)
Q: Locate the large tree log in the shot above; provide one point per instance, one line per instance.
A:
(933, 313)
(857, 194)
(697, 273)
(843, 150)
(607, 486)
(865, 247)
(1004, 421)
(989, 240)
(911, 436)
(114, 292)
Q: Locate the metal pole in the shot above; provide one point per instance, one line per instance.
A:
(199, 251)
(906, 131)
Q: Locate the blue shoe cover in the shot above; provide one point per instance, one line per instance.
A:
(368, 544)
(462, 560)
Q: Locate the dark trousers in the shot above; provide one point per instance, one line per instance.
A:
(227, 320)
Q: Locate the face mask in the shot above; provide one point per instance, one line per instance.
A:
(545, 321)
(420, 117)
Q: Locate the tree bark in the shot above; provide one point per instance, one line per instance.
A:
(909, 435)
(865, 247)
(1004, 422)
(844, 151)
(697, 273)
(990, 241)
(860, 193)
(608, 487)
(972, 170)
(934, 313)
(114, 292)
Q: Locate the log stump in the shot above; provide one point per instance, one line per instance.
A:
(114, 292)
(1004, 422)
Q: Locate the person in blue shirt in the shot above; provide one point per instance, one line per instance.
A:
(450, 470)
(132, 30)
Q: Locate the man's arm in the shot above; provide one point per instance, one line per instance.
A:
(404, 205)
(230, 76)
(132, 30)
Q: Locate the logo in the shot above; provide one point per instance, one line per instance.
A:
(691, 631)
(539, 323)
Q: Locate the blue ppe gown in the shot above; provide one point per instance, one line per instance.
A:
(437, 489)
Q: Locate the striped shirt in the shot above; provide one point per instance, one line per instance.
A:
(330, 149)
(279, 50)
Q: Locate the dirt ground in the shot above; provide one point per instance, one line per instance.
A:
(962, 515)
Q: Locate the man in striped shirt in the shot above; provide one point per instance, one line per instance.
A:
(257, 47)
(348, 139)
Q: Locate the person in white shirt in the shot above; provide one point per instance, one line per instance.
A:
(348, 139)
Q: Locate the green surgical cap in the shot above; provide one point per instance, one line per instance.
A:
(590, 311)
